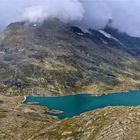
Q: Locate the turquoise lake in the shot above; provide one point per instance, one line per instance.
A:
(74, 105)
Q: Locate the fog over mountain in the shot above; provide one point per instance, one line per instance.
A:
(124, 14)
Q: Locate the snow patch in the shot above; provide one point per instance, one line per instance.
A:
(1, 52)
(104, 41)
(80, 33)
(34, 25)
(86, 31)
(108, 35)
(105, 34)
(111, 37)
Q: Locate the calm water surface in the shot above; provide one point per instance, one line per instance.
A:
(74, 105)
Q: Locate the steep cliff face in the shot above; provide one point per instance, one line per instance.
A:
(53, 58)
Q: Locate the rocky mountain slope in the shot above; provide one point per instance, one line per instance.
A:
(53, 58)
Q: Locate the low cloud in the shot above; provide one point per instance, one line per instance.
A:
(87, 13)
(65, 10)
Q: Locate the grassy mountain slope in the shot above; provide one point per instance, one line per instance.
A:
(53, 58)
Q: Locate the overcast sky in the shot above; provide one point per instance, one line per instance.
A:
(125, 14)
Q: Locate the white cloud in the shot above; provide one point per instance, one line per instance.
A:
(89, 13)
(66, 10)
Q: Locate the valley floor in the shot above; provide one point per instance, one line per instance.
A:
(27, 122)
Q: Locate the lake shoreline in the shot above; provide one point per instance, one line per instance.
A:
(115, 92)
(75, 104)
